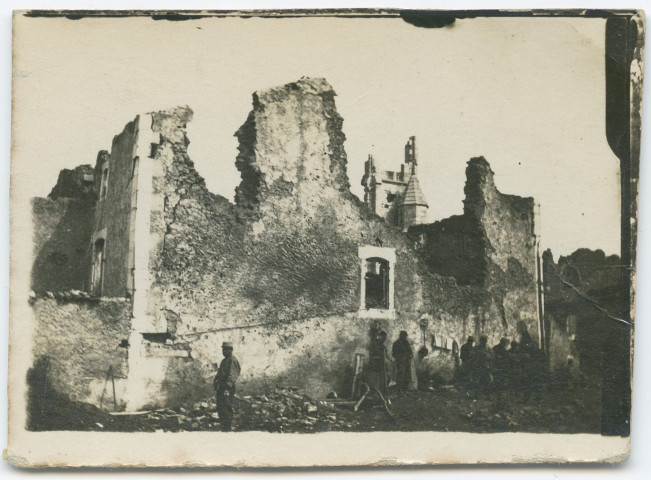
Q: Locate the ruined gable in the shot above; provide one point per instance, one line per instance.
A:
(507, 221)
(291, 150)
(289, 247)
(495, 234)
(491, 246)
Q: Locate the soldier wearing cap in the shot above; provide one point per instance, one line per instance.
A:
(224, 383)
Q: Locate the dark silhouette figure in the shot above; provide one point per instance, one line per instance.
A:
(501, 364)
(467, 356)
(532, 364)
(514, 374)
(377, 358)
(403, 355)
(482, 366)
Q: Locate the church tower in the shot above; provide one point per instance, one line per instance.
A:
(396, 195)
(413, 206)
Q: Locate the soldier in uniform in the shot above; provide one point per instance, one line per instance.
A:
(482, 366)
(224, 384)
(403, 355)
(467, 356)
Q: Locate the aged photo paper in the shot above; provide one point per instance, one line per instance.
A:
(286, 238)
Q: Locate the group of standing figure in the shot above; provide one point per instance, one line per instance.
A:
(398, 367)
(517, 367)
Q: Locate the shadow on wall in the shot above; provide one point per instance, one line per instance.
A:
(61, 244)
(48, 409)
(185, 382)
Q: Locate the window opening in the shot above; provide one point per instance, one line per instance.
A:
(97, 276)
(377, 283)
(104, 183)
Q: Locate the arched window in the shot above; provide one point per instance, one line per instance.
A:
(97, 275)
(376, 288)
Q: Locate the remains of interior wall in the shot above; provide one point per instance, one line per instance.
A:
(114, 210)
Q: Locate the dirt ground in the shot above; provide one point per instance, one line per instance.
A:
(574, 409)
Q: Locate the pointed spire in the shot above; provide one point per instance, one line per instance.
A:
(413, 194)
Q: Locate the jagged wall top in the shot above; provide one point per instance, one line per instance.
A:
(291, 145)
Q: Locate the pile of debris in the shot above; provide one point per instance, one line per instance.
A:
(286, 410)
(282, 410)
(199, 416)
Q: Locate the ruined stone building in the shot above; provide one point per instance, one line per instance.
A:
(293, 272)
(583, 301)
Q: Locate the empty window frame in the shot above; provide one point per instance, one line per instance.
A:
(97, 274)
(376, 279)
(376, 284)
(103, 189)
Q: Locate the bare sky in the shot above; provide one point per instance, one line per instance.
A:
(528, 94)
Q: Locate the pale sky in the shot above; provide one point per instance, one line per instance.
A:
(527, 94)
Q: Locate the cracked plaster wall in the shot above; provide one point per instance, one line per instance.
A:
(81, 340)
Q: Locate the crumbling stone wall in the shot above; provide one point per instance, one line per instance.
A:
(453, 247)
(76, 183)
(77, 342)
(582, 302)
(491, 246)
(284, 257)
(62, 231)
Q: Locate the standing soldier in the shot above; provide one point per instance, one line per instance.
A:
(224, 384)
(467, 356)
(483, 363)
(403, 354)
(377, 360)
(501, 364)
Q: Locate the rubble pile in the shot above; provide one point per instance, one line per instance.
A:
(282, 410)
(199, 416)
(286, 410)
